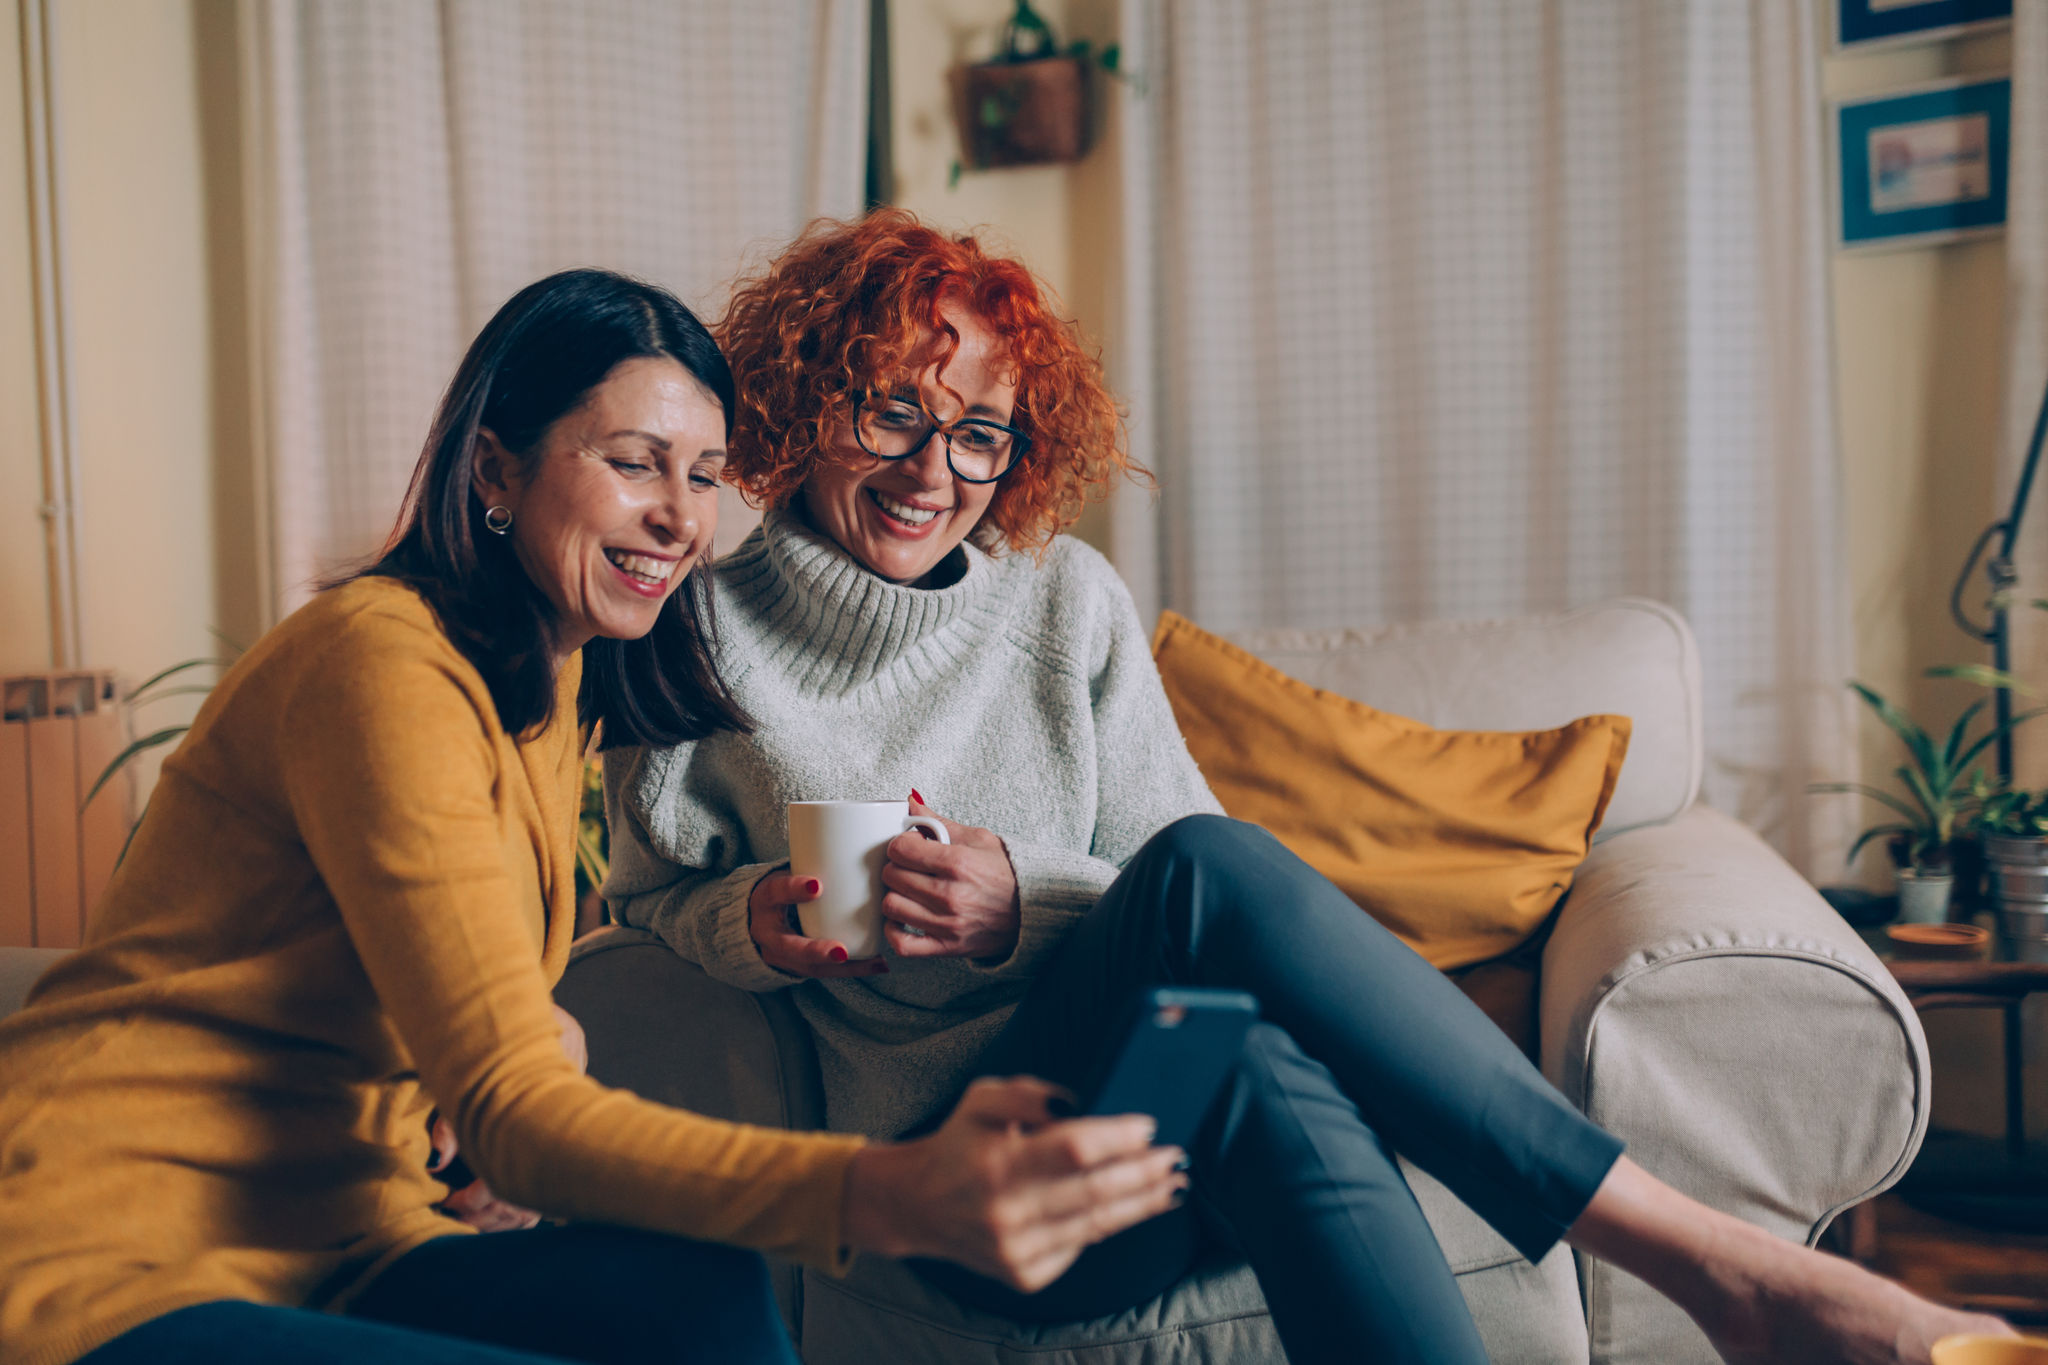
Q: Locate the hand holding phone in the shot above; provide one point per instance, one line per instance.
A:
(1175, 1048)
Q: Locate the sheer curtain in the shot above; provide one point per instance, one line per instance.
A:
(1467, 308)
(418, 162)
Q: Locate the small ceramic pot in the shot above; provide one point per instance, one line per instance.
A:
(1924, 896)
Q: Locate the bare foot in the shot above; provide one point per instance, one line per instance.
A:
(1759, 1298)
(1783, 1302)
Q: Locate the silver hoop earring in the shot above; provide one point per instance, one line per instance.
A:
(498, 519)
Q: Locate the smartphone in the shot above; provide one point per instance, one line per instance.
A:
(1175, 1048)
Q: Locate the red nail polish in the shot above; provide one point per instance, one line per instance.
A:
(838, 954)
(918, 798)
(811, 887)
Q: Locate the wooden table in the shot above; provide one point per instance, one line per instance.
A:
(1994, 980)
(1980, 983)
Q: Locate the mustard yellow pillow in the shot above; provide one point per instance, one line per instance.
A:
(1460, 841)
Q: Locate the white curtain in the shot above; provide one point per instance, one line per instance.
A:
(419, 161)
(2026, 363)
(1469, 308)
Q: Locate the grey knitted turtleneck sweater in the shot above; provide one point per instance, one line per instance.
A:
(1021, 698)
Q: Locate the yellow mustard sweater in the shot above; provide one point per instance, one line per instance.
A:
(352, 891)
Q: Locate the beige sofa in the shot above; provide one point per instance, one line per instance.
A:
(1697, 998)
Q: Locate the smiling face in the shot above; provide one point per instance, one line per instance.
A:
(900, 518)
(618, 500)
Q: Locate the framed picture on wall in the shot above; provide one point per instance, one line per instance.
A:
(1923, 166)
(1871, 23)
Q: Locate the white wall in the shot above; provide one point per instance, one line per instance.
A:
(140, 313)
(1063, 221)
(1919, 340)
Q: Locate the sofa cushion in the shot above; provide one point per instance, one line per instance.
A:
(1630, 657)
(1460, 841)
(19, 970)
(652, 1017)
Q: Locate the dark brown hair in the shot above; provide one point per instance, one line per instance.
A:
(534, 362)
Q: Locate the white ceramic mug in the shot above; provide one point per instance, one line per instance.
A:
(843, 844)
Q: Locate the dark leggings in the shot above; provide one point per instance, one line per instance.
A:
(588, 1293)
(1363, 1050)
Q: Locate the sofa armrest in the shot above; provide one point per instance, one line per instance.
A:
(1703, 1003)
(661, 1028)
(19, 970)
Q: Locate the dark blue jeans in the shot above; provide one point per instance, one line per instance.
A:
(586, 1293)
(1364, 1050)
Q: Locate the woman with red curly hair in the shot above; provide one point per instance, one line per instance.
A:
(920, 426)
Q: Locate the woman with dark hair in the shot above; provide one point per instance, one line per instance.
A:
(921, 425)
(352, 891)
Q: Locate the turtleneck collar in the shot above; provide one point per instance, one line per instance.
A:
(836, 623)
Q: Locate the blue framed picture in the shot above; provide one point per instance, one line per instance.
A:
(1904, 21)
(1924, 166)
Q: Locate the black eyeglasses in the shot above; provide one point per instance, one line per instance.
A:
(977, 450)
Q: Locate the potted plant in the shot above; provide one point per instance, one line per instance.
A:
(1940, 788)
(2012, 825)
(1029, 104)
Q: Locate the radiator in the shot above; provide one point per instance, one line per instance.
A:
(58, 732)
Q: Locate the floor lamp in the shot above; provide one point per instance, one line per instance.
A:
(1998, 568)
(1975, 1180)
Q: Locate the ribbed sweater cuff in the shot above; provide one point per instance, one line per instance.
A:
(734, 958)
(823, 1188)
(1055, 888)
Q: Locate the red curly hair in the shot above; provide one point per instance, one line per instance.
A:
(851, 306)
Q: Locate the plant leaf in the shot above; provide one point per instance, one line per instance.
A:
(1917, 741)
(147, 742)
(174, 692)
(1915, 781)
(1875, 832)
(125, 843)
(590, 857)
(1961, 729)
(1984, 676)
(1990, 736)
(1883, 798)
(176, 668)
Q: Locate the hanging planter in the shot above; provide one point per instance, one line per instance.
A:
(1030, 105)
(1025, 113)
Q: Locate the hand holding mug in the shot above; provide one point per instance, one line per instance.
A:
(952, 899)
(773, 923)
(833, 888)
